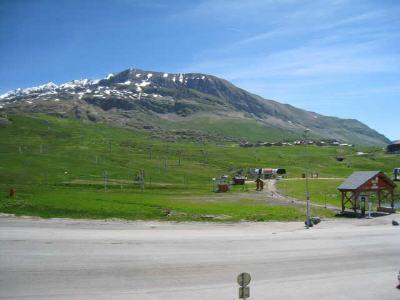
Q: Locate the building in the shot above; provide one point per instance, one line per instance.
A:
(365, 183)
(394, 147)
(396, 173)
(269, 173)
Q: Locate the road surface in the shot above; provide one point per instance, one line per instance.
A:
(78, 259)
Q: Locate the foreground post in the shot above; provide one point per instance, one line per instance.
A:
(243, 280)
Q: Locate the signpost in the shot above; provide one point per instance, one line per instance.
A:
(244, 292)
(243, 280)
(363, 200)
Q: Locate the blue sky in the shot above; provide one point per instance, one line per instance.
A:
(337, 57)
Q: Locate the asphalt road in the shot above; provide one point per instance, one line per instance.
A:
(67, 259)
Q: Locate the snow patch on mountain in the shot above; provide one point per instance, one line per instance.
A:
(5, 95)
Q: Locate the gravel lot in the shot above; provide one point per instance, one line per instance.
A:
(79, 259)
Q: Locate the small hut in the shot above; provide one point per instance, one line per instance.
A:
(367, 183)
(239, 180)
(269, 173)
(394, 147)
(396, 173)
(223, 184)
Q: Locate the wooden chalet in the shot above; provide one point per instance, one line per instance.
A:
(367, 183)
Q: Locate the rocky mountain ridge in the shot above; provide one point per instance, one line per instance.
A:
(152, 100)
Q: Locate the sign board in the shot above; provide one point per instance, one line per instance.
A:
(374, 183)
(244, 292)
(243, 279)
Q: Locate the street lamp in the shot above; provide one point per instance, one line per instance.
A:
(308, 221)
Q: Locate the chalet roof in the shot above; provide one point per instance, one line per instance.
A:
(357, 179)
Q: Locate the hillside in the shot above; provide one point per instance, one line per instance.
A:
(58, 167)
(190, 106)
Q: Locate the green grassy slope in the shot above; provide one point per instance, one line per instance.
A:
(57, 167)
(239, 128)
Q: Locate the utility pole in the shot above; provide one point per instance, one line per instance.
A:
(141, 172)
(149, 151)
(105, 176)
(179, 157)
(308, 220)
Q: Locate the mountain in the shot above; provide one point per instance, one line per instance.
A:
(187, 105)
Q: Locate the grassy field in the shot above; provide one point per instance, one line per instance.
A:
(155, 204)
(322, 191)
(57, 167)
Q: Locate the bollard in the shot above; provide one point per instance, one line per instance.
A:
(13, 193)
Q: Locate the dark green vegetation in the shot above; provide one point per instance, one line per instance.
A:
(57, 167)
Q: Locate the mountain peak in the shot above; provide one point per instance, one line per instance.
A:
(121, 97)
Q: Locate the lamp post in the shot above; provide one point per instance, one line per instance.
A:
(308, 221)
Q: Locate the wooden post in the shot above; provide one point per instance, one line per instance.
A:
(12, 193)
(342, 201)
(379, 198)
(392, 198)
(354, 201)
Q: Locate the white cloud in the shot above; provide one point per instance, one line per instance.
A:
(327, 56)
(331, 43)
